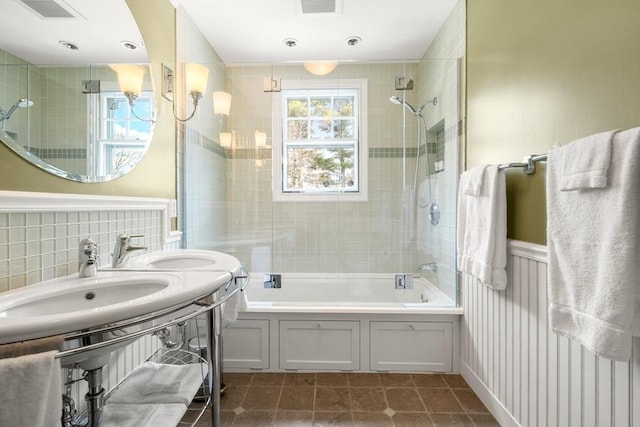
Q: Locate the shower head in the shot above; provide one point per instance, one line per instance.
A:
(21, 103)
(416, 112)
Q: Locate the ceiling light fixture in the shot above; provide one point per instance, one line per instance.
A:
(353, 40)
(129, 45)
(290, 42)
(320, 68)
(68, 45)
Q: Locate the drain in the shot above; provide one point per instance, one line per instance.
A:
(89, 296)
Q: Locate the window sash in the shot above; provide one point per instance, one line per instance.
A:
(356, 141)
(308, 142)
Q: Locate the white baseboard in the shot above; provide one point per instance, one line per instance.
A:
(499, 412)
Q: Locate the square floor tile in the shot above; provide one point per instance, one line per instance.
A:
(367, 399)
(440, 400)
(404, 399)
(334, 399)
(258, 397)
(297, 398)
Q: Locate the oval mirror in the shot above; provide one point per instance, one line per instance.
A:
(64, 101)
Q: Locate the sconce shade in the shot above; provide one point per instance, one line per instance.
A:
(196, 76)
(225, 139)
(221, 102)
(320, 68)
(261, 139)
(130, 77)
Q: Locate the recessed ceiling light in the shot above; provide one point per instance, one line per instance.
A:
(129, 45)
(354, 40)
(68, 45)
(290, 42)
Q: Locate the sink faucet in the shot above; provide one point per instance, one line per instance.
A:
(123, 249)
(88, 258)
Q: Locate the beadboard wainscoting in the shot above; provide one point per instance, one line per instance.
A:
(526, 374)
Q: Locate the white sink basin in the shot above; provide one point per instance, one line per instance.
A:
(93, 295)
(185, 259)
(69, 304)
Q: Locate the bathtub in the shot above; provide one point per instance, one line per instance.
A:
(345, 293)
(345, 322)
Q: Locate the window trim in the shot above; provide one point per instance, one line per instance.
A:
(362, 152)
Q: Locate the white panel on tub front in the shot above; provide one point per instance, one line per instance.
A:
(411, 346)
(246, 344)
(332, 345)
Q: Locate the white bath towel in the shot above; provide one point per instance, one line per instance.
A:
(244, 301)
(136, 415)
(482, 227)
(592, 239)
(473, 181)
(231, 307)
(31, 390)
(136, 389)
(586, 164)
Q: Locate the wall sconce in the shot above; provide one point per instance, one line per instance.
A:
(225, 139)
(261, 139)
(130, 80)
(320, 68)
(221, 103)
(196, 77)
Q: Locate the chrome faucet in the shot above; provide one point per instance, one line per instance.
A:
(123, 249)
(88, 258)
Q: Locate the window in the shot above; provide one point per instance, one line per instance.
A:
(122, 138)
(323, 148)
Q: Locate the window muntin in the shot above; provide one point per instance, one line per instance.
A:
(321, 146)
(123, 138)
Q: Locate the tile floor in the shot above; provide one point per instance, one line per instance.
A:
(348, 399)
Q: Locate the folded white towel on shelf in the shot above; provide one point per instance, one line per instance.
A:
(138, 387)
(137, 415)
(482, 226)
(592, 239)
(585, 164)
(31, 390)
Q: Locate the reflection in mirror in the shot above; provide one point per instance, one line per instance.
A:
(76, 119)
(61, 105)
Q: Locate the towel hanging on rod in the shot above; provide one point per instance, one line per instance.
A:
(529, 168)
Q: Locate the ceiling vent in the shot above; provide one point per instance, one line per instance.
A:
(318, 6)
(49, 8)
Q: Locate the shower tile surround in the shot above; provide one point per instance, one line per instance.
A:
(327, 237)
(235, 213)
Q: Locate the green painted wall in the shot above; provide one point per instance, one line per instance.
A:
(155, 176)
(542, 73)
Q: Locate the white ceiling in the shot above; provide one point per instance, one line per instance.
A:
(252, 31)
(97, 28)
(241, 31)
